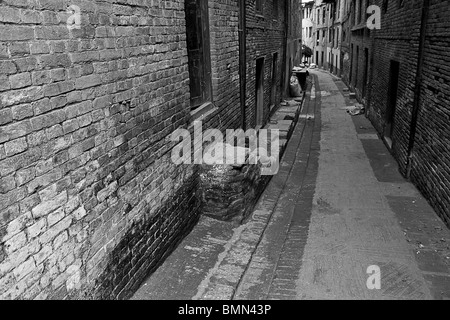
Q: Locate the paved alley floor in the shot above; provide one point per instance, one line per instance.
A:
(336, 214)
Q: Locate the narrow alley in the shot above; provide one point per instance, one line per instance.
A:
(224, 150)
(337, 208)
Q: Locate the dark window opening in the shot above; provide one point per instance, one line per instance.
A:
(198, 46)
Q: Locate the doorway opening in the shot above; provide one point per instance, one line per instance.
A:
(366, 71)
(356, 66)
(351, 65)
(259, 91)
(391, 105)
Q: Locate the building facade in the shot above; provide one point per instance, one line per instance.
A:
(327, 33)
(90, 199)
(359, 48)
(308, 26)
(409, 85)
(273, 47)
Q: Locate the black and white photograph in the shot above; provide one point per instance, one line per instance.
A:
(222, 158)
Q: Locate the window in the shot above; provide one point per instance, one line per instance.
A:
(259, 6)
(401, 3)
(385, 6)
(198, 46)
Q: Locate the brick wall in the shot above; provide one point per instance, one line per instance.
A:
(266, 32)
(85, 159)
(431, 157)
(90, 202)
(398, 40)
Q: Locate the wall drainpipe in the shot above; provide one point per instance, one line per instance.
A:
(418, 86)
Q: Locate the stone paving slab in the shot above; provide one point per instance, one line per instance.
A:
(261, 277)
(346, 222)
(337, 206)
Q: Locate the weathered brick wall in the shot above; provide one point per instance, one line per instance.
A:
(266, 36)
(360, 39)
(398, 40)
(224, 27)
(431, 157)
(89, 199)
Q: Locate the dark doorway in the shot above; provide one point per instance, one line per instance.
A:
(331, 62)
(356, 66)
(366, 71)
(352, 56)
(391, 101)
(259, 91)
(273, 93)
